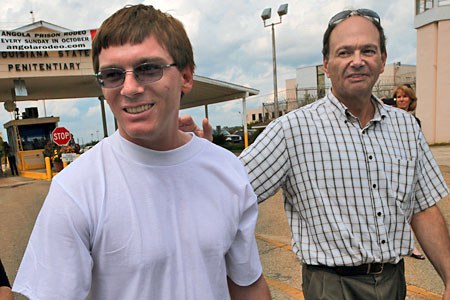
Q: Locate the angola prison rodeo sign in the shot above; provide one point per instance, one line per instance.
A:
(45, 41)
(44, 51)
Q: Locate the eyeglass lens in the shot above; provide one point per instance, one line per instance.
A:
(144, 73)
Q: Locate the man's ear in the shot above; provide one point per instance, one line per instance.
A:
(325, 66)
(383, 61)
(188, 79)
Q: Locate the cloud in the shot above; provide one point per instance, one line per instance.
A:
(93, 111)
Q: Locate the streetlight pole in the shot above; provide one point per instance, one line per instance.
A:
(275, 79)
(282, 10)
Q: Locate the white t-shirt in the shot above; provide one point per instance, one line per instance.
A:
(126, 222)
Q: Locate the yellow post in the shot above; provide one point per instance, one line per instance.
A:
(48, 168)
(244, 119)
(245, 139)
(65, 163)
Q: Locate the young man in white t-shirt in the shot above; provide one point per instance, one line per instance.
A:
(150, 212)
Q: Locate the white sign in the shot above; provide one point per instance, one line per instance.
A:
(68, 157)
(17, 41)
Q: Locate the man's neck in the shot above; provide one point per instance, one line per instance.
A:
(361, 107)
(160, 142)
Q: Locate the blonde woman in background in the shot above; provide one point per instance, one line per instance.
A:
(406, 99)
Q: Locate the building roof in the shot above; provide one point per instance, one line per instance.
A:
(205, 90)
(41, 25)
(208, 91)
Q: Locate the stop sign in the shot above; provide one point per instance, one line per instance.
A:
(61, 136)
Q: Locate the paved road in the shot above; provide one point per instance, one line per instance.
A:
(20, 202)
(21, 198)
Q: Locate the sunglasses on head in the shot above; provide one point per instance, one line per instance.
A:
(144, 73)
(363, 12)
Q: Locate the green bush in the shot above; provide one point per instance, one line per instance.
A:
(219, 139)
(234, 147)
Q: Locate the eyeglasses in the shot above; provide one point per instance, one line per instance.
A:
(144, 73)
(363, 12)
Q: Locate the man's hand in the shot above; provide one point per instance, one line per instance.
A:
(187, 124)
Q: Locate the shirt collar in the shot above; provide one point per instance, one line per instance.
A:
(342, 111)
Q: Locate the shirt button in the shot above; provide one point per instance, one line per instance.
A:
(370, 156)
(379, 214)
(374, 186)
(383, 241)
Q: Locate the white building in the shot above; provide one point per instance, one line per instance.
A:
(432, 22)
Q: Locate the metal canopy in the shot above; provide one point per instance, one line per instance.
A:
(51, 87)
(205, 91)
(209, 91)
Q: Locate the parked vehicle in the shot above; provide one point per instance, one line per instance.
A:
(233, 138)
(83, 150)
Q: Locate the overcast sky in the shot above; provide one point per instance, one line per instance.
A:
(230, 44)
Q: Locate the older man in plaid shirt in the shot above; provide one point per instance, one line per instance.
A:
(356, 175)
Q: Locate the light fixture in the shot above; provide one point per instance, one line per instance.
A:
(266, 14)
(282, 10)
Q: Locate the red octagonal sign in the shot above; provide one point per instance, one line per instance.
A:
(61, 136)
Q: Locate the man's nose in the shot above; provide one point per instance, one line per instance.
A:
(131, 85)
(357, 59)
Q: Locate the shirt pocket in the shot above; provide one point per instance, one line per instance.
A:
(401, 177)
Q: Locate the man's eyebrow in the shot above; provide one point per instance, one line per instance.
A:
(155, 60)
(371, 45)
(345, 47)
(143, 60)
(112, 65)
(352, 47)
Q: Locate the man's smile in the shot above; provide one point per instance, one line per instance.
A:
(138, 109)
(356, 75)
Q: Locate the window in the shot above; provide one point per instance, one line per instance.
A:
(253, 117)
(260, 117)
(35, 136)
(424, 5)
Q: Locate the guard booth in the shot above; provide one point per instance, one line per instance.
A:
(28, 137)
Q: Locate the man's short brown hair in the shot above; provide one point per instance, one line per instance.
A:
(134, 23)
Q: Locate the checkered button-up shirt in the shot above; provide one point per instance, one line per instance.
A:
(349, 192)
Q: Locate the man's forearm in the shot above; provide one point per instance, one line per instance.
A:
(6, 293)
(431, 230)
(256, 291)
